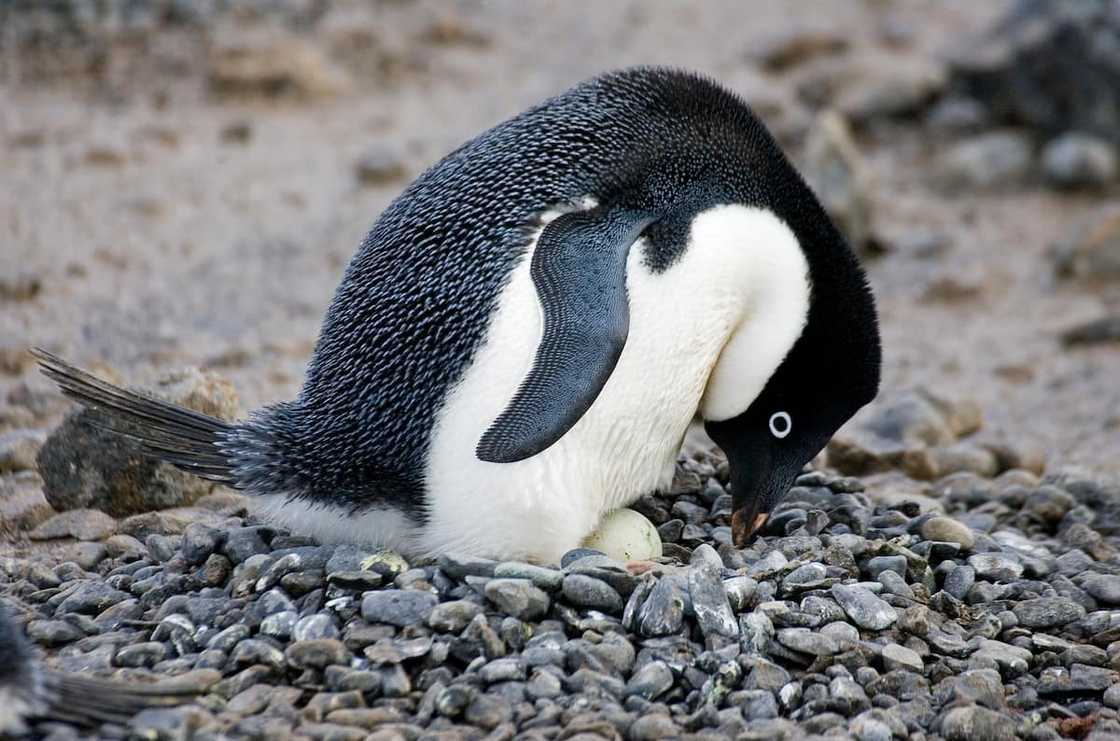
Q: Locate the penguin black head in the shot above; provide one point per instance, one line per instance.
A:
(831, 371)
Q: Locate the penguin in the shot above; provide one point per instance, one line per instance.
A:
(527, 332)
(31, 693)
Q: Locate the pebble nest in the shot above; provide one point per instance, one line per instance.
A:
(844, 618)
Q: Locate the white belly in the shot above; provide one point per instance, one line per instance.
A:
(625, 445)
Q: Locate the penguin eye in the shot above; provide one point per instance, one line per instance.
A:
(780, 424)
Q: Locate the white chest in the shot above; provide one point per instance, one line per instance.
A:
(734, 275)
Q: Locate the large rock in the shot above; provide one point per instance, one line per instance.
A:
(85, 466)
(1052, 66)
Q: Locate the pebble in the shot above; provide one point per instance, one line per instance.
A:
(1047, 612)
(1104, 587)
(842, 631)
(975, 723)
(397, 607)
(996, 566)
(651, 681)
(709, 601)
(900, 657)
(1079, 160)
(518, 598)
(663, 611)
(863, 607)
(593, 594)
(948, 530)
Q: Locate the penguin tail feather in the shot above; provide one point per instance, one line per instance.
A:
(187, 439)
(87, 701)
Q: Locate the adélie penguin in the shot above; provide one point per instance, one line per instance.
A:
(523, 338)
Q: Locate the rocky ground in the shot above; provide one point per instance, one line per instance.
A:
(185, 181)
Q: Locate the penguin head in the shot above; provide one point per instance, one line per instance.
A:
(830, 372)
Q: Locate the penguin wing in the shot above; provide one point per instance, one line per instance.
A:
(579, 270)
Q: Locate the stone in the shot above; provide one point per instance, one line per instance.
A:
(806, 641)
(380, 166)
(796, 46)
(547, 579)
(593, 594)
(85, 466)
(518, 598)
(991, 160)
(19, 449)
(1104, 587)
(1091, 250)
(53, 633)
(900, 657)
(317, 653)
(1105, 329)
(948, 530)
(651, 681)
(975, 723)
(839, 175)
(863, 607)
(273, 64)
(879, 564)
(766, 675)
(1078, 160)
(1079, 678)
(90, 598)
(1047, 612)
(398, 607)
(710, 603)
(663, 611)
(452, 617)
(80, 524)
(996, 567)
(314, 627)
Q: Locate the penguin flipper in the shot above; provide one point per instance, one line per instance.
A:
(579, 270)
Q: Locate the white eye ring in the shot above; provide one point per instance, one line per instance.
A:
(780, 424)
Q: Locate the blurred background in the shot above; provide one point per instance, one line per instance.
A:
(182, 182)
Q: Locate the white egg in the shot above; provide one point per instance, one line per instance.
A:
(625, 535)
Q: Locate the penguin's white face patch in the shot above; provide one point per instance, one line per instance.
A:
(780, 424)
(775, 305)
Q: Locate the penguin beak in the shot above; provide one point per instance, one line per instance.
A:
(745, 523)
(757, 484)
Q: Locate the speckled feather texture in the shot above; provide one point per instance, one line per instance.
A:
(416, 300)
(421, 297)
(579, 271)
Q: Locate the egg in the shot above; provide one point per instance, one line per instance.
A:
(625, 535)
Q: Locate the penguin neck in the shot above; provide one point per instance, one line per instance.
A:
(773, 303)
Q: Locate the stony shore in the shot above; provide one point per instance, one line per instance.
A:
(999, 619)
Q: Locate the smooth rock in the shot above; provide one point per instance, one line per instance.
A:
(863, 607)
(398, 607)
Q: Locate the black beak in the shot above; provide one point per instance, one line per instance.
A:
(757, 484)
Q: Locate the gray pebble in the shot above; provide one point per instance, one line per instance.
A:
(663, 611)
(547, 579)
(709, 600)
(518, 598)
(996, 566)
(397, 607)
(592, 594)
(863, 607)
(313, 627)
(651, 681)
